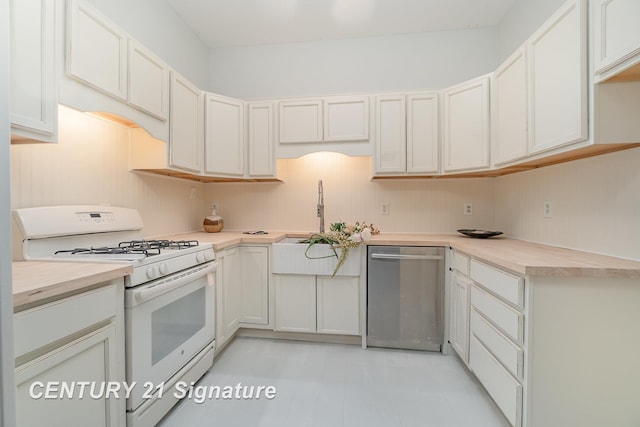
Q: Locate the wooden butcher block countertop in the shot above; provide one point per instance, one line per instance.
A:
(519, 256)
(37, 282)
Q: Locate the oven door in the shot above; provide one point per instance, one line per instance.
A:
(168, 322)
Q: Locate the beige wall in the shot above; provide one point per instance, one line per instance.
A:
(89, 165)
(596, 201)
(350, 195)
(596, 204)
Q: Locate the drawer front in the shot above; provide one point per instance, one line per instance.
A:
(507, 319)
(39, 326)
(501, 386)
(507, 286)
(460, 263)
(503, 349)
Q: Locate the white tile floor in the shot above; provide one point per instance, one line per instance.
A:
(339, 385)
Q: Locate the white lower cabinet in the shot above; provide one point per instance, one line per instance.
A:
(242, 290)
(487, 330)
(295, 300)
(254, 261)
(89, 358)
(505, 390)
(307, 303)
(459, 316)
(337, 305)
(83, 341)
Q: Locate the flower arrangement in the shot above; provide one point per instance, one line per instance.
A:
(341, 237)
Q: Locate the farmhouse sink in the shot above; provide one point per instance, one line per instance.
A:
(289, 258)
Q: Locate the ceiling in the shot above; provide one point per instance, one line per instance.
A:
(222, 23)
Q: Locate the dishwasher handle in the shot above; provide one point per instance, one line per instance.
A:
(406, 257)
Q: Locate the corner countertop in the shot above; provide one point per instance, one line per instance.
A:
(521, 257)
(36, 282)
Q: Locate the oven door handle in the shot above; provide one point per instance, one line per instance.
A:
(162, 287)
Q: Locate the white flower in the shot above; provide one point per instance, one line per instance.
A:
(356, 237)
(366, 234)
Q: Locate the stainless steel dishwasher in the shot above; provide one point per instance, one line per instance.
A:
(405, 297)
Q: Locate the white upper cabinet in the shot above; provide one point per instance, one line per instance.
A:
(224, 136)
(33, 83)
(300, 121)
(423, 140)
(346, 118)
(96, 50)
(466, 126)
(558, 82)
(510, 109)
(407, 134)
(391, 134)
(186, 128)
(616, 35)
(148, 81)
(262, 162)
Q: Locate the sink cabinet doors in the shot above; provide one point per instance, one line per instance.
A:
(322, 304)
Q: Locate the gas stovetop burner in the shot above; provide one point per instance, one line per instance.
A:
(158, 244)
(110, 251)
(139, 247)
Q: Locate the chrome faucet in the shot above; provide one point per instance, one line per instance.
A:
(321, 206)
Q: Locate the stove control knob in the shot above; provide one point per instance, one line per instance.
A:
(164, 268)
(208, 256)
(200, 257)
(152, 273)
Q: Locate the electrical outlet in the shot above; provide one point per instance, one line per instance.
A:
(548, 210)
(193, 193)
(468, 208)
(384, 208)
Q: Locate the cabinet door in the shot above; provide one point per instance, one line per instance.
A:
(459, 335)
(96, 50)
(423, 133)
(148, 81)
(300, 121)
(346, 118)
(466, 126)
(255, 285)
(262, 162)
(231, 290)
(509, 103)
(295, 302)
(338, 305)
(185, 125)
(616, 33)
(558, 83)
(32, 69)
(391, 140)
(224, 136)
(91, 358)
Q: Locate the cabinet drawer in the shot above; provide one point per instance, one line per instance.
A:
(39, 326)
(460, 263)
(507, 286)
(507, 319)
(501, 386)
(509, 354)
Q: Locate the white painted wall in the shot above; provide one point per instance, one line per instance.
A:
(596, 204)
(90, 165)
(155, 24)
(350, 195)
(367, 65)
(522, 20)
(7, 382)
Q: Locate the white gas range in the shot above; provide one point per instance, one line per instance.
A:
(169, 297)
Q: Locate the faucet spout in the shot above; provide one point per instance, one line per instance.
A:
(320, 206)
